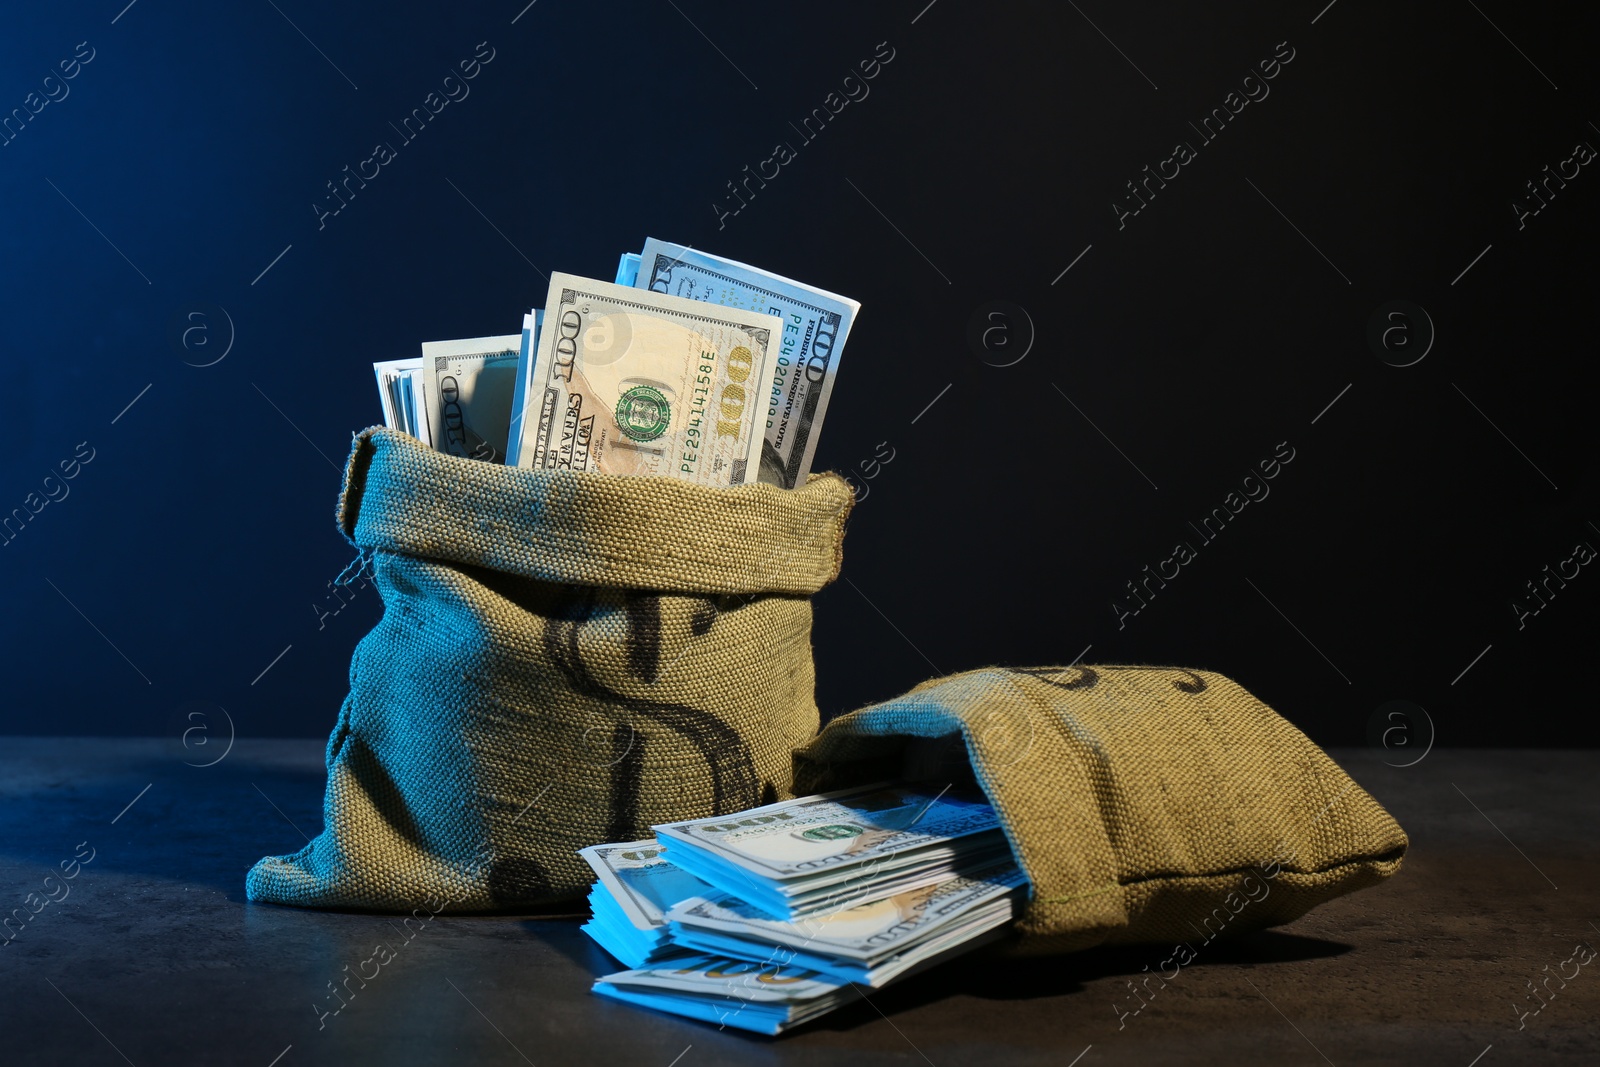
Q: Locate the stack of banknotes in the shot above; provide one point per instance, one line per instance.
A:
(687, 366)
(766, 919)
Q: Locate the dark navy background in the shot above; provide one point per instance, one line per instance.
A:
(192, 551)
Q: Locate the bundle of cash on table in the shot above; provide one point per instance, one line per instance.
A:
(639, 376)
(766, 919)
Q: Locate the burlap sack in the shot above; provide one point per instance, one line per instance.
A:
(563, 659)
(1145, 803)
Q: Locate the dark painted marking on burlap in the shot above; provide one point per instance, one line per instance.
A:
(704, 616)
(518, 880)
(734, 783)
(627, 769)
(1087, 678)
(644, 638)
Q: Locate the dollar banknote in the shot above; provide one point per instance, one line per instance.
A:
(869, 932)
(470, 383)
(800, 380)
(763, 998)
(388, 373)
(640, 879)
(930, 871)
(400, 392)
(628, 269)
(872, 943)
(811, 835)
(628, 903)
(526, 351)
(633, 382)
(711, 975)
(836, 850)
(611, 928)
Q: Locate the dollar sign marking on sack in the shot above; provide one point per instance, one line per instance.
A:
(1087, 677)
(735, 784)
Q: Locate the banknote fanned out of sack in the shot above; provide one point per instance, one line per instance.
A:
(801, 371)
(688, 366)
(467, 383)
(825, 853)
(636, 382)
(404, 397)
(872, 943)
(1145, 804)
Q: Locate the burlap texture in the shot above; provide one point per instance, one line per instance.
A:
(1144, 803)
(563, 659)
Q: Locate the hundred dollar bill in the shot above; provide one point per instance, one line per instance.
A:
(868, 932)
(399, 389)
(639, 878)
(750, 996)
(611, 928)
(871, 943)
(632, 382)
(827, 852)
(628, 269)
(390, 373)
(733, 978)
(470, 383)
(628, 904)
(526, 352)
(387, 373)
(800, 380)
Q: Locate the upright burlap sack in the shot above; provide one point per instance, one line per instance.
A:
(1144, 803)
(564, 659)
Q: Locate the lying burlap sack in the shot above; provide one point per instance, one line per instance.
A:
(1144, 803)
(564, 658)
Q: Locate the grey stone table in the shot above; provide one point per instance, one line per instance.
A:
(153, 956)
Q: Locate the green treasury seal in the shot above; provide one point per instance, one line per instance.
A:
(643, 413)
(833, 832)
